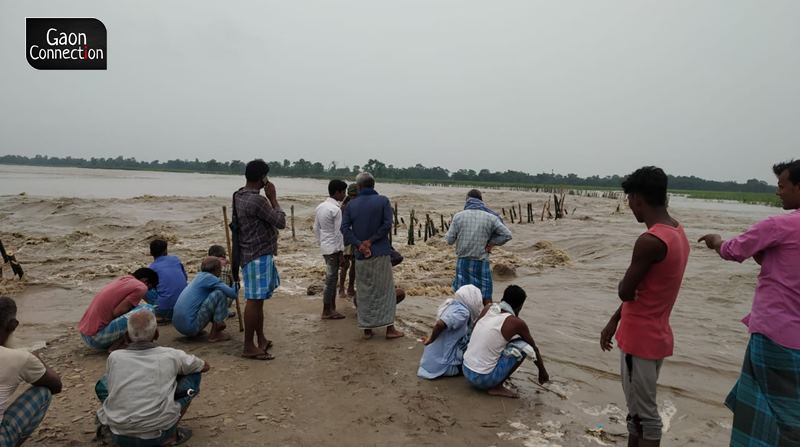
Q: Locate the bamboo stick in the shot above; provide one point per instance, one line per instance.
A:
(230, 253)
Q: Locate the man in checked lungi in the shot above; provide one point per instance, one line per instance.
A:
(20, 417)
(105, 321)
(475, 231)
(366, 223)
(766, 399)
(257, 220)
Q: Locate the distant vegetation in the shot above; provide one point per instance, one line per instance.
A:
(754, 191)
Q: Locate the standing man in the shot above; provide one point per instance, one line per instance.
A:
(20, 417)
(766, 399)
(257, 220)
(648, 292)
(475, 231)
(327, 230)
(366, 224)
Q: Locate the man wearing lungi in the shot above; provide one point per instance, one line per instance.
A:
(766, 399)
(257, 221)
(366, 223)
(475, 231)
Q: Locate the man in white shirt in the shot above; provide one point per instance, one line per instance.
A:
(327, 230)
(21, 417)
(147, 388)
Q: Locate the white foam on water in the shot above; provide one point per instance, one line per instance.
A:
(667, 410)
(608, 410)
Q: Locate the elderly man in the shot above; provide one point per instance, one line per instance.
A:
(327, 231)
(147, 388)
(475, 231)
(104, 323)
(205, 300)
(21, 417)
(766, 399)
(256, 221)
(366, 223)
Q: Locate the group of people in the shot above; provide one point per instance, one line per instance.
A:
(146, 388)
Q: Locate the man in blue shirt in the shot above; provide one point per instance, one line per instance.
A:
(171, 280)
(205, 300)
(366, 223)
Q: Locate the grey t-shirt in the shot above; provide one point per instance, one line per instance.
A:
(141, 390)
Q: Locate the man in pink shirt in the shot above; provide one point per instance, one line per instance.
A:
(766, 399)
(104, 323)
(648, 291)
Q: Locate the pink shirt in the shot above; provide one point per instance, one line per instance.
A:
(101, 309)
(644, 329)
(776, 305)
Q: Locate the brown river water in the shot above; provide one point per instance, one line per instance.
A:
(75, 229)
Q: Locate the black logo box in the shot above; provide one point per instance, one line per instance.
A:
(86, 33)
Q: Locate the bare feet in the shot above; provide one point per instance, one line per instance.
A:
(368, 334)
(332, 316)
(218, 337)
(502, 391)
(392, 333)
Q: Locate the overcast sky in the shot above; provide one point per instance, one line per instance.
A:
(708, 88)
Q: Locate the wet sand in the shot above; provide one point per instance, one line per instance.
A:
(328, 387)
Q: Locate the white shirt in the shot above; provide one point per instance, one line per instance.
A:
(327, 226)
(141, 390)
(18, 366)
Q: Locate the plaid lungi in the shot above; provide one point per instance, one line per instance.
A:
(113, 331)
(766, 399)
(260, 278)
(475, 272)
(214, 309)
(24, 415)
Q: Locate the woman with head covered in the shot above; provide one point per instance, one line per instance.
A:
(444, 348)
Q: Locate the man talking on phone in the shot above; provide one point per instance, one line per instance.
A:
(256, 221)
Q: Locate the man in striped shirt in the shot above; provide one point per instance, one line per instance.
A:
(475, 231)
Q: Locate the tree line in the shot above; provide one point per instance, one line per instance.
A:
(418, 172)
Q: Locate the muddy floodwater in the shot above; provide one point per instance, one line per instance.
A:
(73, 230)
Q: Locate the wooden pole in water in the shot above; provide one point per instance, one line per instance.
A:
(411, 228)
(292, 210)
(441, 216)
(230, 253)
(520, 211)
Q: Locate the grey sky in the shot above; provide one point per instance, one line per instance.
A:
(706, 88)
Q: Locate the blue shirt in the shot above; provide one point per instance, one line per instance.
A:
(171, 280)
(184, 316)
(368, 217)
(448, 348)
